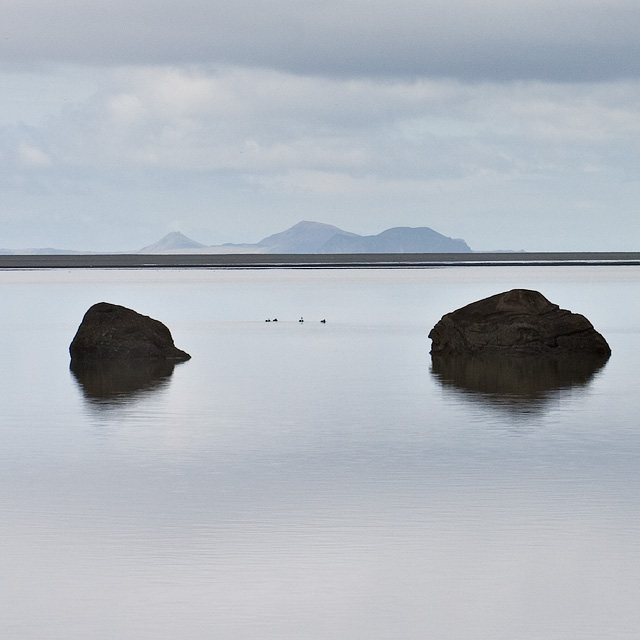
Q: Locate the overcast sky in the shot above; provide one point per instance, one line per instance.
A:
(514, 124)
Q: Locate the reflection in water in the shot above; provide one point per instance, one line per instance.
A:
(121, 381)
(517, 382)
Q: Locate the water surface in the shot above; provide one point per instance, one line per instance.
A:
(308, 480)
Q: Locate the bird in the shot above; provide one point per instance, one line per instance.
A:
(323, 321)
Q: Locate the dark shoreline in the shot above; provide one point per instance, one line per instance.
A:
(313, 261)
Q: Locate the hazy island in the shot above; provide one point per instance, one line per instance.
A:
(306, 244)
(303, 238)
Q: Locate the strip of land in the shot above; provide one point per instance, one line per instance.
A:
(311, 261)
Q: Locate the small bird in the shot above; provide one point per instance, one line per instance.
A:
(275, 320)
(323, 321)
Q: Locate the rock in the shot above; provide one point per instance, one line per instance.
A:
(109, 332)
(517, 322)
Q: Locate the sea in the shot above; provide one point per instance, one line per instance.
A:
(316, 480)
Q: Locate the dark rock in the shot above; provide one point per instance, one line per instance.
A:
(517, 322)
(110, 332)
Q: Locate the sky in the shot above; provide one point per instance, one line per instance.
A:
(513, 124)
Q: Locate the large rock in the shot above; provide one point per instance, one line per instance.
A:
(517, 322)
(109, 332)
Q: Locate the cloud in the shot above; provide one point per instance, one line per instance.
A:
(258, 121)
(239, 153)
(496, 40)
(237, 119)
(31, 157)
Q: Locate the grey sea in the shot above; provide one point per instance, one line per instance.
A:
(308, 480)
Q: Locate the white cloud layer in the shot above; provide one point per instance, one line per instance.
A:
(511, 125)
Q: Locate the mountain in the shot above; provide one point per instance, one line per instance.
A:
(172, 242)
(304, 237)
(397, 240)
(315, 237)
(47, 251)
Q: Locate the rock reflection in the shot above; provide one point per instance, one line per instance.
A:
(515, 382)
(120, 382)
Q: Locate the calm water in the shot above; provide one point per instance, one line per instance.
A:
(315, 481)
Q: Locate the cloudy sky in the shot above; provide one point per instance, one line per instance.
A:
(514, 124)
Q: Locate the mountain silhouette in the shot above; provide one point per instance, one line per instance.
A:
(316, 237)
(171, 242)
(305, 237)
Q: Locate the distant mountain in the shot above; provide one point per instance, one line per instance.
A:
(174, 241)
(304, 238)
(47, 251)
(315, 237)
(396, 240)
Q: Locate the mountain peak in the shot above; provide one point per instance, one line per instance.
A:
(303, 237)
(174, 241)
